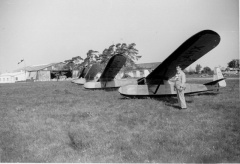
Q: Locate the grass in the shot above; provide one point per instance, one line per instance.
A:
(62, 122)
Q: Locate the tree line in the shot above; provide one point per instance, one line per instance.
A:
(132, 56)
(207, 70)
(93, 57)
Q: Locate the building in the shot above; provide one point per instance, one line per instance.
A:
(135, 71)
(12, 77)
(231, 71)
(47, 72)
(141, 70)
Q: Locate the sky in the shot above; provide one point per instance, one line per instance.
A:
(49, 31)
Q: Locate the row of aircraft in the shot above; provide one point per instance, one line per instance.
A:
(158, 81)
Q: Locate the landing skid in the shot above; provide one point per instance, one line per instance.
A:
(148, 96)
(106, 89)
(211, 92)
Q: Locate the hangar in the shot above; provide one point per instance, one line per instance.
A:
(47, 72)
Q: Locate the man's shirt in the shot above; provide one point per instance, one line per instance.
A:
(181, 77)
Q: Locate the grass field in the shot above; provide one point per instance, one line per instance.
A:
(63, 122)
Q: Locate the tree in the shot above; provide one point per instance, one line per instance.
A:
(191, 71)
(69, 64)
(77, 60)
(234, 63)
(106, 55)
(131, 52)
(92, 58)
(198, 68)
(73, 63)
(128, 50)
(207, 70)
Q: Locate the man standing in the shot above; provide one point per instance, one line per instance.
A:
(180, 87)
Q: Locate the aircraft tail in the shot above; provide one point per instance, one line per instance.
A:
(218, 80)
(215, 82)
(218, 75)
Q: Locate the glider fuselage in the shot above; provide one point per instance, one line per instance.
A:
(164, 89)
(115, 83)
(79, 81)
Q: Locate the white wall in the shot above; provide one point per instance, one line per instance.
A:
(146, 72)
(12, 77)
(7, 79)
(137, 73)
(20, 77)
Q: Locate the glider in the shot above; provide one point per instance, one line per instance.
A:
(107, 78)
(158, 81)
(88, 74)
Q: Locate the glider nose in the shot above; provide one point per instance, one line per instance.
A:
(120, 90)
(80, 81)
(89, 85)
(73, 81)
(125, 90)
(132, 90)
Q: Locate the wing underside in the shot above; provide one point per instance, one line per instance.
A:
(92, 72)
(83, 72)
(113, 67)
(190, 51)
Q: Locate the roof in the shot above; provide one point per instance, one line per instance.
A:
(12, 74)
(37, 67)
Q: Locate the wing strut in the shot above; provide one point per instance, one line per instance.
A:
(105, 84)
(157, 88)
(159, 84)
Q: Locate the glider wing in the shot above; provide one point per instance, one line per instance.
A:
(190, 51)
(92, 72)
(83, 72)
(112, 68)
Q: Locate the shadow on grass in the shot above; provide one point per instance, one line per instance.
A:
(102, 89)
(78, 143)
(169, 100)
(203, 94)
(110, 89)
(65, 91)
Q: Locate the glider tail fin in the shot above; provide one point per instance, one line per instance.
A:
(217, 76)
(218, 81)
